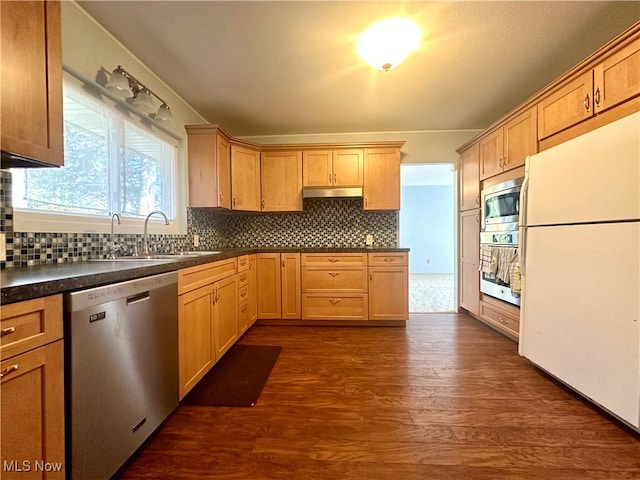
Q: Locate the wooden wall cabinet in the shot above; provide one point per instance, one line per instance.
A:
(469, 178)
(508, 146)
(31, 84)
(207, 318)
(333, 168)
(278, 284)
(381, 187)
(209, 160)
(32, 385)
(470, 260)
(388, 286)
(281, 181)
(245, 179)
(612, 81)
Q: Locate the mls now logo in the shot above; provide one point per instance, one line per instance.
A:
(29, 466)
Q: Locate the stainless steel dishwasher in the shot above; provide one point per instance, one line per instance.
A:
(121, 370)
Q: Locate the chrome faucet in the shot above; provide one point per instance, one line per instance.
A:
(145, 243)
(113, 248)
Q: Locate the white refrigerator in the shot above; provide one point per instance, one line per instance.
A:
(580, 261)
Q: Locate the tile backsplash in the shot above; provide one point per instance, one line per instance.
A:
(335, 222)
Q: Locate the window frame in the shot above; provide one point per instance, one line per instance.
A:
(26, 220)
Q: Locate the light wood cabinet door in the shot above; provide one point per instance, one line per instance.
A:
(469, 260)
(381, 188)
(491, 153)
(196, 336)
(348, 167)
(291, 286)
(245, 179)
(520, 139)
(209, 155)
(470, 177)
(253, 291)
(570, 104)
(31, 83)
(617, 78)
(281, 181)
(317, 168)
(269, 274)
(389, 293)
(32, 412)
(225, 314)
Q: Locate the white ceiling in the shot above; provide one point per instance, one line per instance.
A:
(268, 68)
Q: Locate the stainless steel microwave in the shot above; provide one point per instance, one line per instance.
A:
(501, 206)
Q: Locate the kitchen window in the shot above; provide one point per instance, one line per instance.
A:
(113, 164)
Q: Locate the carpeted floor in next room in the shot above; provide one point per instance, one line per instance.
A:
(431, 293)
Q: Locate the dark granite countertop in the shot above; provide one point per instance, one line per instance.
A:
(20, 284)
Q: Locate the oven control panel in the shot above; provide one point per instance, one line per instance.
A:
(499, 238)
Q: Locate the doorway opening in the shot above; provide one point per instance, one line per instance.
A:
(427, 227)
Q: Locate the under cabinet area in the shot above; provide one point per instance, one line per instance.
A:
(32, 386)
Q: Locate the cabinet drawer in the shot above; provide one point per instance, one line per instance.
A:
(243, 263)
(322, 279)
(243, 294)
(201, 275)
(30, 324)
(388, 258)
(324, 306)
(500, 318)
(243, 278)
(327, 259)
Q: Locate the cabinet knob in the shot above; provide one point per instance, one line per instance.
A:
(7, 331)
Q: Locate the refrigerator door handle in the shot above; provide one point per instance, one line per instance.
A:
(522, 220)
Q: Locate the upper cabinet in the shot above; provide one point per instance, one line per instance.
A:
(209, 167)
(333, 168)
(469, 178)
(31, 84)
(509, 145)
(381, 187)
(245, 179)
(282, 181)
(610, 82)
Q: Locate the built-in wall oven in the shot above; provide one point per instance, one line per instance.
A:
(499, 269)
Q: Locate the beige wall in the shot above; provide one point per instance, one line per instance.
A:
(420, 147)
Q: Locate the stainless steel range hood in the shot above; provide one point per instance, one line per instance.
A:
(329, 192)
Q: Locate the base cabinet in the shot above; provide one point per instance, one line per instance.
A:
(388, 286)
(32, 389)
(225, 314)
(278, 284)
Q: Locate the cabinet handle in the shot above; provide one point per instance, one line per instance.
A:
(282, 262)
(263, 203)
(371, 277)
(504, 161)
(334, 178)
(365, 202)
(334, 300)
(234, 200)
(477, 199)
(477, 218)
(596, 97)
(333, 260)
(243, 294)
(387, 259)
(243, 309)
(221, 197)
(9, 369)
(334, 274)
(243, 278)
(7, 331)
(329, 179)
(586, 102)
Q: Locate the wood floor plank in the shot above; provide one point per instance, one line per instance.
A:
(444, 398)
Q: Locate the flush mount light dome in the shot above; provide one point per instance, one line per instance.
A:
(385, 44)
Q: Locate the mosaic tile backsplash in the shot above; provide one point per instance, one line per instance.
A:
(336, 222)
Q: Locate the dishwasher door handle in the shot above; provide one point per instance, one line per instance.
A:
(137, 298)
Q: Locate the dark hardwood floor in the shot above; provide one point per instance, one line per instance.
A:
(445, 398)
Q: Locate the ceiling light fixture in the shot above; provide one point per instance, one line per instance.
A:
(125, 85)
(385, 44)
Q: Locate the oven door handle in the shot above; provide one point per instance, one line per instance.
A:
(522, 224)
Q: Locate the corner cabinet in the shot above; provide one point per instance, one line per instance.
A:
(31, 84)
(381, 187)
(209, 158)
(281, 181)
(32, 387)
(245, 178)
